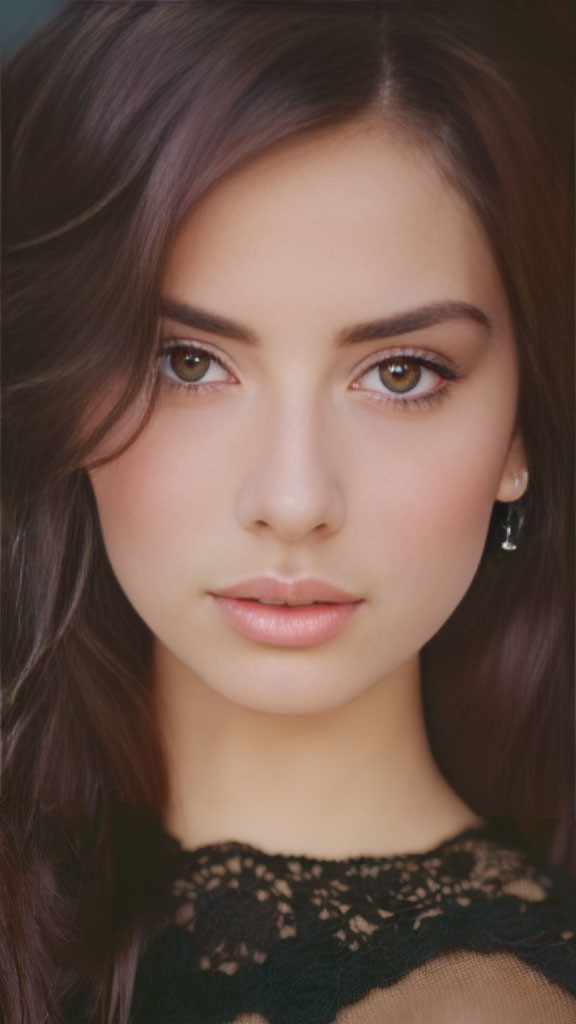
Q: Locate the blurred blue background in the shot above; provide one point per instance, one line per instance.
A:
(20, 19)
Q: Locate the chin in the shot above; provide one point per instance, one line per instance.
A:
(288, 693)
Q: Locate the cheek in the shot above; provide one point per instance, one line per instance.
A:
(425, 542)
(449, 501)
(151, 506)
(446, 527)
(165, 512)
(423, 512)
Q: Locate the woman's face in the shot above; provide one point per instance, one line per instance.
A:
(298, 454)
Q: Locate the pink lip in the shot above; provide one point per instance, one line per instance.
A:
(285, 626)
(274, 588)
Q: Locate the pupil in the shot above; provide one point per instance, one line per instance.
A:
(400, 375)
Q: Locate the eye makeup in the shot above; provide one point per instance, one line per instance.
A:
(397, 362)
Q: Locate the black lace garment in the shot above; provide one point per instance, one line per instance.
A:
(474, 931)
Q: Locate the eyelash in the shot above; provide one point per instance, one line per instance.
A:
(450, 374)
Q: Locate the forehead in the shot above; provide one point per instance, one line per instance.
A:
(355, 214)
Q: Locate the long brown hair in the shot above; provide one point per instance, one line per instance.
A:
(118, 119)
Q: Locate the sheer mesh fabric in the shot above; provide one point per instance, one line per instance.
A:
(460, 988)
(473, 931)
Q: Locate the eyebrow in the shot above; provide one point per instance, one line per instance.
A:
(403, 322)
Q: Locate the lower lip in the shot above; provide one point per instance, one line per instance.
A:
(286, 626)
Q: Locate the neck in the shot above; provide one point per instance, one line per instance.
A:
(357, 779)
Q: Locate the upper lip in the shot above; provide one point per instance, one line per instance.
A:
(272, 588)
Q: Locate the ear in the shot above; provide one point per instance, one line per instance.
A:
(514, 478)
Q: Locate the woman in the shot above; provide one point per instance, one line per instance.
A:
(287, 323)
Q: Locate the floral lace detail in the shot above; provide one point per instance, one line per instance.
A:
(238, 902)
(249, 937)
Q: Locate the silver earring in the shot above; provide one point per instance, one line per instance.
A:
(512, 524)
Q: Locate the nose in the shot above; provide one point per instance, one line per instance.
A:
(291, 483)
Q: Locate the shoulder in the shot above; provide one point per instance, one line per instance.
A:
(471, 988)
(494, 941)
(490, 923)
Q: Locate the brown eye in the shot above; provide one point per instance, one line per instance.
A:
(189, 365)
(400, 374)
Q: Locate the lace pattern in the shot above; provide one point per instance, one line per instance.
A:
(238, 902)
(472, 930)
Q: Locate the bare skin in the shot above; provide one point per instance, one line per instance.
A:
(308, 784)
(297, 459)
